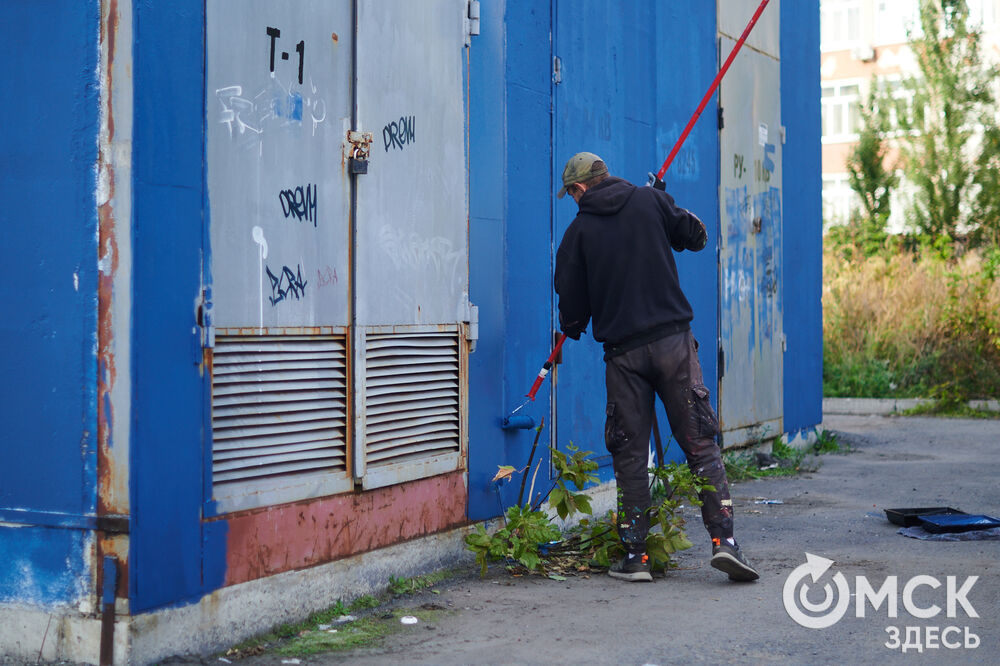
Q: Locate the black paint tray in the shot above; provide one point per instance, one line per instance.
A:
(911, 517)
(957, 523)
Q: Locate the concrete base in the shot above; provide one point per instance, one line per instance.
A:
(58, 634)
(889, 406)
(228, 615)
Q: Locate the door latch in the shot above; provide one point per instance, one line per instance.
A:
(360, 147)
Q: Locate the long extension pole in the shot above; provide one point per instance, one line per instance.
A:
(711, 90)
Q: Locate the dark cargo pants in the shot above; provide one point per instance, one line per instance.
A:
(667, 367)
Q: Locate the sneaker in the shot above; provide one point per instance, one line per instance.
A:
(632, 569)
(730, 559)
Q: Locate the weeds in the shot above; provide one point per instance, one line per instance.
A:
(530, 539)
(364, 602)
(946, 409)
(360, 633)
(410, 585)
(912, 324)
(784, 459)
(827, 442)
(329, 630)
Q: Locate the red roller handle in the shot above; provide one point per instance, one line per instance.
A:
(546, 366)
(711, 91)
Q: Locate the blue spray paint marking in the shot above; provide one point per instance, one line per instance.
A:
(739, 292)
(768, 259)
(686, 165)
(288, 106)
(768, 162)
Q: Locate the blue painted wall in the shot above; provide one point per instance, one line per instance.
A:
(685, 68)
(803, 216)
(48, 331)
(487, 253)
(628, 88)
(174, 557)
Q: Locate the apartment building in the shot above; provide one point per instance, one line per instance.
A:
(862, 39)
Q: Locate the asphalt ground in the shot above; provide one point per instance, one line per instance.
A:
(695, 615)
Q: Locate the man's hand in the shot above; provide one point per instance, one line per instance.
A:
(656, 183)
(571, 329)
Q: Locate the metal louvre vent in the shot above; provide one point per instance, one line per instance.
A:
(412, 388)
(278, 409)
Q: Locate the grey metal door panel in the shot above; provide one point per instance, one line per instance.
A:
(278, 102)
(412, 233)
(750, 392)
(734, 16)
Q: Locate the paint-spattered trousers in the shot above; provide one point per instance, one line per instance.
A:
(667, 367)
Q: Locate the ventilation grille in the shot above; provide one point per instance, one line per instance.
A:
(411, 397)
(278, 408)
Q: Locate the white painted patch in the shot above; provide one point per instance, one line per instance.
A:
(104, 265)
(103, 186)
(76, 281)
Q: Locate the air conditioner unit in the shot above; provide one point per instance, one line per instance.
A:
(863, 53)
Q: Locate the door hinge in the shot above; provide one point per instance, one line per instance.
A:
(722, 121)
(722, 362)
(359, 145)
(471, 21)
(556, 70)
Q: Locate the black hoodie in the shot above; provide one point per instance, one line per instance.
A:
(614, 263)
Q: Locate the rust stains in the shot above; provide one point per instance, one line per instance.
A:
(269, 541)
(108, 267)
(282, 330)
(109, 501)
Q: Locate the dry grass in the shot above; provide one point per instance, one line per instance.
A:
(911, 325)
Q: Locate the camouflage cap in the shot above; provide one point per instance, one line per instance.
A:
(581, 167)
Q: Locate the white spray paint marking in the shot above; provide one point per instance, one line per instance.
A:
(314, 105)
(410, 250)
(76, 281)
(258, 237)
(253, 114)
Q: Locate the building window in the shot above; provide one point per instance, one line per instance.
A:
(838, 200)
(841, 111)
(840, 24)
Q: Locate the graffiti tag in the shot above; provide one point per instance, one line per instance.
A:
(398, 134)
(300, 203)
(286, 284)
(326, 277)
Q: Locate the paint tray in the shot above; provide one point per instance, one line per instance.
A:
(911, 517)
(957, 522)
